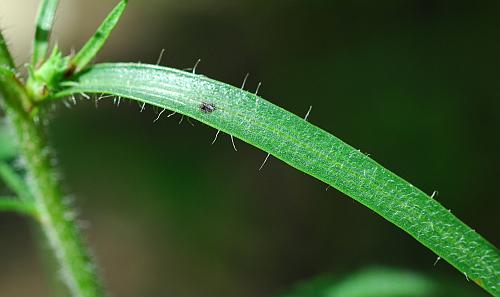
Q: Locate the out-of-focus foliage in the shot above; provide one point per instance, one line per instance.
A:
(379, 282)
(7, 144)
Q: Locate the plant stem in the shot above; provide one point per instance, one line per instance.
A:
(56, 218)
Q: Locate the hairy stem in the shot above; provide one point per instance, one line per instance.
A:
(56, 218)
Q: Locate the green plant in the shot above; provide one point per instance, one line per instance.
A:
(228, 109)
(376, 282)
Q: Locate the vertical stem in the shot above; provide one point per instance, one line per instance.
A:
(57, 220)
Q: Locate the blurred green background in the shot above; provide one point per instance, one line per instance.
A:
(415, 84)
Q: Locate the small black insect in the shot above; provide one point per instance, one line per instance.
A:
(207, 107)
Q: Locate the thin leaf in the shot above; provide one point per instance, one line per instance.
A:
(14, 182)
(10, 204)
(44, 23)
(95, 43)
(5, 57)
(307, 148)
(8, 147)
(12, 91)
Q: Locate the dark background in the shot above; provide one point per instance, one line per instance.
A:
(415, 84)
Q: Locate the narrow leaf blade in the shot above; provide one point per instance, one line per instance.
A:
(96, 42)
(307, 148)
(14, 182)
(44, 23)
(11, 204)
(8, 147)
(5, 57)
(12, 91)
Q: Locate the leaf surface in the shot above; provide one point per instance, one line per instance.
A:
(307, 148)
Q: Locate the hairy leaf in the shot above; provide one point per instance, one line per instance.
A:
(305, 147)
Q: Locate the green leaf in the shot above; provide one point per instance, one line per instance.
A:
(305, 147)
(5, 57)
(14, 182)
(44, 23)
(44, 80)
(95, 43)
(379, 282)
(12, 91)
(10, 204)
(8, 147)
